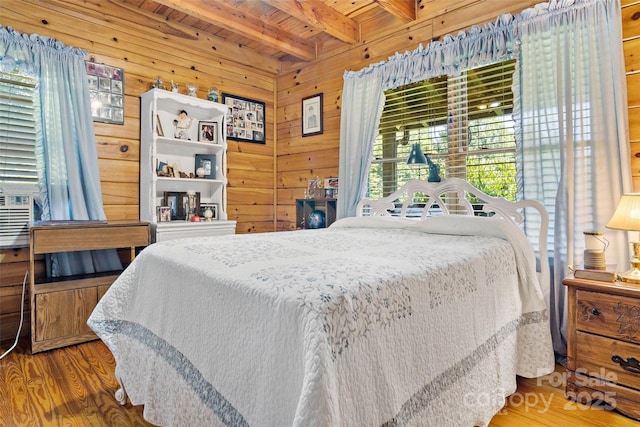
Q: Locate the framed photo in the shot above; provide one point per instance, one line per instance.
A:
(106, 90)
(164, 213)
(312, 115)
(174, 201)
(331, 188)
(208, 163)
(208, 132)
(314, 188)
(214, 210)
(245, 119)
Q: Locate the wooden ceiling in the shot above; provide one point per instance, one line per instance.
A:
(285, 30)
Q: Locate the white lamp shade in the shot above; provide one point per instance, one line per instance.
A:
(627, 214)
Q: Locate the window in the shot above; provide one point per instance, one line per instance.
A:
(17, 134)
(463, 124)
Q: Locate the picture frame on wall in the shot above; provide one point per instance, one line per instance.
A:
(106, 91)
(245, 119)
(312, 115)
(208, 132)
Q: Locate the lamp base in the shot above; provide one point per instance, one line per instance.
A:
(633, 275)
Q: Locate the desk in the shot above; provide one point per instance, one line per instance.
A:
(61, 306)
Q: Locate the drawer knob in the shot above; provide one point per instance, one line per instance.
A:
(631, 364)
(595, 311)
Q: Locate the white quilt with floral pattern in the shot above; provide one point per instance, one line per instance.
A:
(372, 322)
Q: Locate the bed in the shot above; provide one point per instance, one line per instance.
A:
(411, 313)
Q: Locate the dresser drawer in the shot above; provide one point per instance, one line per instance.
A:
(611, 315)
(594, 358)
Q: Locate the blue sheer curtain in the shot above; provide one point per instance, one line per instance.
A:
(68, 174)
(570, 114)
(571, 121)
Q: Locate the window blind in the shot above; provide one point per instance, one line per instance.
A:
(463, 124)
(17, 133)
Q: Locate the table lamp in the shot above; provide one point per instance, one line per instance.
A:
(627, 217)
(417, 157)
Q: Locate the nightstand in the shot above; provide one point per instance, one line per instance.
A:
(603, 344)
(61, 306)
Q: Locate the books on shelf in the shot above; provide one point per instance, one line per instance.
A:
(607, 275)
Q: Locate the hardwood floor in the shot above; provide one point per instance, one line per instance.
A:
(74, 387)
(71, 387)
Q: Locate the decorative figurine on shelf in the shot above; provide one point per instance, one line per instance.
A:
(192, 90)
(201, 172)
(190, 206)
(183, 123)
(157, 83)
(316, 219)
(208, 215)
(212, 95)
(174, 87)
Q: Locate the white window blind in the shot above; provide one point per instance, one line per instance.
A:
(463, 124)
(17, 134)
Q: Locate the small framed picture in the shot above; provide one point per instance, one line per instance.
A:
(173, 200)
(208, 132)
(212, 207)
(164, 213)
(314, 188)
(205, 166)
(312, 115)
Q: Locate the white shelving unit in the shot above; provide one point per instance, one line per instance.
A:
(162, 106)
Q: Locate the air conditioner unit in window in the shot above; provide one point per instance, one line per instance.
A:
(15, 216)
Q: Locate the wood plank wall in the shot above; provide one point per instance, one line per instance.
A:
(110, 33)
(631, 46)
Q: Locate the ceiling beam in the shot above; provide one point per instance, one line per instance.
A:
(405, 10)
(218, 13)
(321, 17)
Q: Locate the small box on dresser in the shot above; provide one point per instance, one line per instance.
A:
(603, 344)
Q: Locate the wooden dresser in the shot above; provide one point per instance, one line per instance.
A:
(604, 344)
(60, 307)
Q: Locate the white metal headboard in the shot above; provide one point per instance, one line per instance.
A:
(434, 192)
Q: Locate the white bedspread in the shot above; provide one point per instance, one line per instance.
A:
(374, 321)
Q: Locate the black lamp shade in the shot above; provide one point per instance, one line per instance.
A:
(416, 157)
